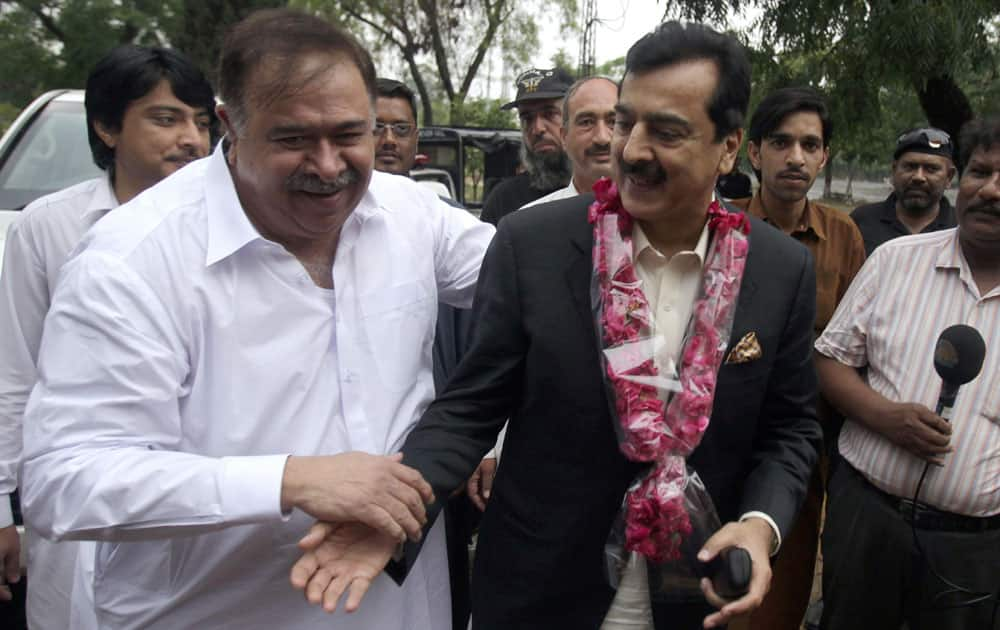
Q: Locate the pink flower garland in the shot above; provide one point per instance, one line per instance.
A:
(654, 431)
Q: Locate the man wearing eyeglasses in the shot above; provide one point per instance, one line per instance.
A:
(395, 127)
(922, 168)
(546, 166)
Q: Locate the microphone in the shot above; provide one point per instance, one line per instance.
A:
(958, 358)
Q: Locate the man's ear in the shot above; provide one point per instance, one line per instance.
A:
(107, 136)
(951, 174)
(230, 129)
(730, 149)
(826, 158)
(753, 152)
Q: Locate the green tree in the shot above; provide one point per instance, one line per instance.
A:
(198, 27)
(927, 46)
(50, 44)
(456, 35)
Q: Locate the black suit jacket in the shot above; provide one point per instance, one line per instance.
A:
(534, 358)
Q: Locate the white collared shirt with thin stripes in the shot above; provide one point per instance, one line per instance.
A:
(910, 290)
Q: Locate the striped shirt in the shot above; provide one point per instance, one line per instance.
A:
(910, 290)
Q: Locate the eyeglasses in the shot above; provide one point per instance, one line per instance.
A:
(398, 129)
(931, 137)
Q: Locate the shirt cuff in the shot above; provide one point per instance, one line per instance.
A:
(251, 488)
(491, 455)
(776, 545)
(6, 511)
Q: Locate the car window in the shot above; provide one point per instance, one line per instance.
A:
(50, 155)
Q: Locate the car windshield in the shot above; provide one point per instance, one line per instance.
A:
(52, 154)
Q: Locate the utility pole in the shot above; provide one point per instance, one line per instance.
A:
(589, 40)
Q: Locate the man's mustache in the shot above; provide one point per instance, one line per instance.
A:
(598, 149)
(316, 185)
(986, 208)
(794, 172)
(644, 170)
(183, 156)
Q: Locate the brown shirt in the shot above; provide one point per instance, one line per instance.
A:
(836, 245)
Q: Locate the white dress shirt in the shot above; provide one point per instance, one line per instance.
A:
(185, 357)
(38, 243)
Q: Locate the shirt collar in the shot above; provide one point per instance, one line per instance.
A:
(229, 228)
(640, 243)
(809, 220)
(103, 199)
(950, 257)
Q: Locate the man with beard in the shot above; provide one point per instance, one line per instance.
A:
(789, 143)
(149, 113)
(546, 167)
(237, 348)
(536, 357)
(588, 120)
(912, 533)
(922, 169)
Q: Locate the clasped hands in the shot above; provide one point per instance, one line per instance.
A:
(367, 507)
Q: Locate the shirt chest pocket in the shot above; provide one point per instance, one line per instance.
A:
(399, 327)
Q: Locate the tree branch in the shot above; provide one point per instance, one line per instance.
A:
(429, 7)
(494, 20)
(35, 8)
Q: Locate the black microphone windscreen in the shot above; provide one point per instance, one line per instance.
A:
(959, 354)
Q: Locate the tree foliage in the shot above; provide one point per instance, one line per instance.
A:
(931, 47)
(454, 35)
(48, 44)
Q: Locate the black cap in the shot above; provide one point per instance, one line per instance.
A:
(535, 84)
(925, 140)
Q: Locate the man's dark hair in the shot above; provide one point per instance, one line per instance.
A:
(781, 104)
(674, 42)
(280, 38)
(128, 73)
(977, 133)
(390, 88)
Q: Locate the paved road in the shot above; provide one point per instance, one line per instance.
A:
(863, 191)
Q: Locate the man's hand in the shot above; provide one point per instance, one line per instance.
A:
(339, 557)
(375, 490)
(917, 429)
(10, 560)
(480, 484)
(754, 535)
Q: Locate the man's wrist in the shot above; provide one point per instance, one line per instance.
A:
(289, 485)
(774, 538)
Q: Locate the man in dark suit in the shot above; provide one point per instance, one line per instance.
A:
(535, 358)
